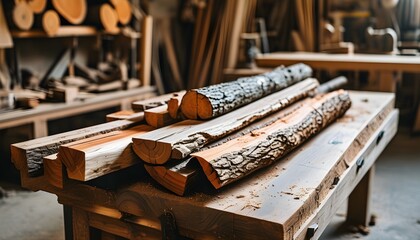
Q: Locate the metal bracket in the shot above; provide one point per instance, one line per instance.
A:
(360, 162)
(311, 231)
(168, 225)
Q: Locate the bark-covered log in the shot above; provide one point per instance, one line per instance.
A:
(232, 161)
(215, 100)
(179, 140)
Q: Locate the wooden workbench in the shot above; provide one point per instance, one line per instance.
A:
(294, 199)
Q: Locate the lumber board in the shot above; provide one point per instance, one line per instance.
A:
(30, 153)
(125, 115)
(158, 117)
(179, 140)
(216, 100)
(94, 157)
(53, 170)
(278, 199)
(238, 158)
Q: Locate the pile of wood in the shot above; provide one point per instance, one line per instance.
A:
(50, 16)
(283, 110)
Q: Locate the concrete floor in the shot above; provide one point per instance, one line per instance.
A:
(396, 203)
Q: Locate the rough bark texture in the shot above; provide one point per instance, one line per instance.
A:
(219, 99)
(196, 141)
(231, 166)
(36, 149)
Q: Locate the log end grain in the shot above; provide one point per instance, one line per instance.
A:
(109, 18)
(210, 173)
(123, 10)
(172, 181)
(23, 17)
(204, 107)
(51, 22)
(73, 160)
(189, 105)
(37, 6)
(151, 152)
(73, 11)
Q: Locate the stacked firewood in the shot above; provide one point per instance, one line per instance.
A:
(50, 15)
(226, 131)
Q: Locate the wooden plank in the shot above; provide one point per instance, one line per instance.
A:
(158, 117)
(239, 157)
(179, 140)
(125, 115)
(279, 199)
(94, 157)
(174, 105)
(30, 153)
(352, 62)
(216, 100)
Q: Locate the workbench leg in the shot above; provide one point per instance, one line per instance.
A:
(417, 121)
(358, 212)
(80, 225)
(68, 223)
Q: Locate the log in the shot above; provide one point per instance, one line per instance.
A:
(123, 10)
(240, 157)
(174, 106)
(37, 6)
(30, 153)
(23, 17)
(332, 85)
(216, 100)
(51, 22)
(177, 177)
(179, 140)
(94, 157)
(73, 11)
(125, 115)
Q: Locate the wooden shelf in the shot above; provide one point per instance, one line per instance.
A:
(64, 31)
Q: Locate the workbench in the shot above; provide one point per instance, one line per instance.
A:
(293, 199)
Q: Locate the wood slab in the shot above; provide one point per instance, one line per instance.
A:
(279, 199)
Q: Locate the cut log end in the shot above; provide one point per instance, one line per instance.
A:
(210, 173)
(23, 17)
(37, 6)
(204, 106)
(151, 152)
(176, 183)
(123, 10)
(73, 11)
(189, 105)
(109, 18)
(51, 22)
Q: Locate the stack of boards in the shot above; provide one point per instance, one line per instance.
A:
(224, 131)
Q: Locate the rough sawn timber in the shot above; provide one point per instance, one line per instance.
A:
(216, 100)
(94, 157)
(31, 152)
(179, 140)
(236, 159)
(278, 199)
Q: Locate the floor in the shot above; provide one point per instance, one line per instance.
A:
(396, 203)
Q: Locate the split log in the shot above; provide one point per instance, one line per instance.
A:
(94, 157)
(236, 159)
(215, 100)
(29, 154)
(179, 140)
(51, 22)
(142, 105)
(23, 17)
(125, 115)
(174, 177)
(73, 11)
(123, 10)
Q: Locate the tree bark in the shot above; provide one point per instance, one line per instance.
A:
(223, 164)
(179, 140)
(216, 100)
